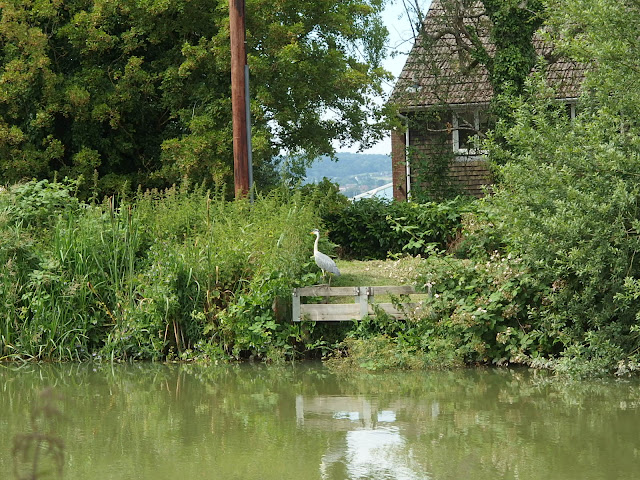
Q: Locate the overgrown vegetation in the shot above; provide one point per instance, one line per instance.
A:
(173, 274)
(546, 272)
(139, 92)
(543, 273)
(376, 228)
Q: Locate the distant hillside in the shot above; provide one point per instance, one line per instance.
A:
(354, 172)
(348, 165)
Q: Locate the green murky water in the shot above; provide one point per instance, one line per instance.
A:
(302, 422)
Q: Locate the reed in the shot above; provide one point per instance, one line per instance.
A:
(170, 274)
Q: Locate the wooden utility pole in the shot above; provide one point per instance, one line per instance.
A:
(239, 101)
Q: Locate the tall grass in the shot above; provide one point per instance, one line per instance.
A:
(179, 273)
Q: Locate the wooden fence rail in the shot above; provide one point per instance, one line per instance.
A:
(360, 307)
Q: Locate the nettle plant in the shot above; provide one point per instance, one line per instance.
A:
(477, 311)
(376, 228)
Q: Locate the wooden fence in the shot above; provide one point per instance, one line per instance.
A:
(359, 307)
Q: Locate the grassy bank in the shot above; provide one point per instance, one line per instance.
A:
(183, 274)
(175, 274)
(180, 274)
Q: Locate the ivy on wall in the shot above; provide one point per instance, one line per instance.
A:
(509, 26)
(514, 24)
(431, 161)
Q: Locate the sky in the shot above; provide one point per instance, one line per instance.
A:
(400, 42)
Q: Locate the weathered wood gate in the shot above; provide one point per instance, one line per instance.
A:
(356, 310)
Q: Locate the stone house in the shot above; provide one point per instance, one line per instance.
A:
(443, 97)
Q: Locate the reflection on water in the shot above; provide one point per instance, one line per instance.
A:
(372, 447)
(149, 421)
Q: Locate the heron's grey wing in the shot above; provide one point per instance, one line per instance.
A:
(326, 263)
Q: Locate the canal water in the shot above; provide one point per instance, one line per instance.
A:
(250, 422)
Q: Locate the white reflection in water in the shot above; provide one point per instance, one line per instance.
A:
(373, 445)
(384, 416)
(378, 453)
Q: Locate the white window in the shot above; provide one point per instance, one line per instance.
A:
(468, 127)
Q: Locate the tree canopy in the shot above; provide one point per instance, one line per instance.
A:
(138, 91)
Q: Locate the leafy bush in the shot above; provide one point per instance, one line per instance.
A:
(474, 313)
(569, 209)
(38, 203)
(361, 229)
(178, 273)
(478, 311)
(325, 197)
(375, 228)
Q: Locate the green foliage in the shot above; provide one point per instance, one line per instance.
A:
(373, 353)
(139, 92)
(569, 198)
(38, 204)
(551, 277)
(478, 238)
(326, 198)
(478, 311)
(361, 229)
(572, 216)
(179, 273)
(514, 24)
(431, 166)
(375, 228)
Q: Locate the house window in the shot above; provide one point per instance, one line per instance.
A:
(571, 110)
(468, 127)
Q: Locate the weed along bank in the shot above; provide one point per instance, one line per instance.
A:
(178, 274)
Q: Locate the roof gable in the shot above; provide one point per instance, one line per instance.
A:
(440, 68)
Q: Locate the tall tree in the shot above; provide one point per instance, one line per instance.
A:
(139, 90)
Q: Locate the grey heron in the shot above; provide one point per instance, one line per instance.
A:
(326, 264)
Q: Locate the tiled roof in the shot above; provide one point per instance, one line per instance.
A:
(439, 70)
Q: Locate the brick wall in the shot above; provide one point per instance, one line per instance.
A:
(471, 175)
(398, 165)
(433, 165)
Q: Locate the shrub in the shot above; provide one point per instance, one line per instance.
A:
(37, 204)
(325, 197)
(375, 228)
(478, 311)
(178, 273)
(569, 208)
(474, 313)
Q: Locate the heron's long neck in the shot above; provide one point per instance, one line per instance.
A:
(315, 245)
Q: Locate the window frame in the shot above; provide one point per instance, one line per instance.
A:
(465, 152)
